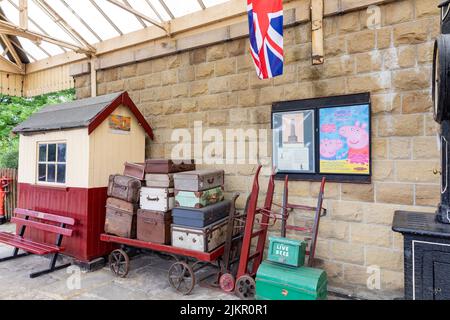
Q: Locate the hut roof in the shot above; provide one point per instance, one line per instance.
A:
(85, 113)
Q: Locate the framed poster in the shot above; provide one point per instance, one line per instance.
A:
(345, 140)
(324, 137)
(294, 141)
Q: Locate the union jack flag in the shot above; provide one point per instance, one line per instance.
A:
(265, 18)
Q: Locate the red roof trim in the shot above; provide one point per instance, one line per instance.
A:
(123, 99)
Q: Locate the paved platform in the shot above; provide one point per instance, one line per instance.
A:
(147, 280)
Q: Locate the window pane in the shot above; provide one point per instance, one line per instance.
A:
(51, 153)
(61, 173)
(41, 172)
(43, 152)
(62, 152)
(51, 173)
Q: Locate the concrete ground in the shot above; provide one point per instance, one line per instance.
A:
(147, 280)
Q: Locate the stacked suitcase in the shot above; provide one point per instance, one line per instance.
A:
(157, 199)
(122, 205)
(200, 213)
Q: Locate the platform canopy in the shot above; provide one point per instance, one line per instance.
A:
(32, 30)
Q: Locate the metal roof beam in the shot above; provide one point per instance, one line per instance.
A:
(167, 9)
(138, 14)
(12, 29)
(202, 5)
(106, 17)
(63, 24)
(154, 10)
(137, 18)
(85, 24)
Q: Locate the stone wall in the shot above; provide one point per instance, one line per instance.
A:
(218, 85)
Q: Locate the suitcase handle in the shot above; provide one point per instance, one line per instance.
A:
(152, 199)
(211, 180)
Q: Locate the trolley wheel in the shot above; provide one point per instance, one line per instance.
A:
(245, 287)
(119, 263)
(182, 277)
(226, 282)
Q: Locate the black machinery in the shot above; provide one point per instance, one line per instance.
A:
(427, 238)
(441, 101)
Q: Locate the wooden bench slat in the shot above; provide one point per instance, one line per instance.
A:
(42, 226)
(6, 237)
(29, 246)
(44, 216)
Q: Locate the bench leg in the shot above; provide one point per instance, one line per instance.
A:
(51, 268)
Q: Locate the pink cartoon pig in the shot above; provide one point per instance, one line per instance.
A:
(358, 142)
(329, 148)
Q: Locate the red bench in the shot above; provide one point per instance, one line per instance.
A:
(44, 222)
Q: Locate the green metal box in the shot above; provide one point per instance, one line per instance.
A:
(279, 282)
(287, 251)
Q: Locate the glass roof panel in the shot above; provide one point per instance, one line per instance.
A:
(182, 8)
(32, 49)
(72, 20)
(94, 18)
(47, 23)
(41, 22)
(158, 7)
(126, 21)
(143, 7)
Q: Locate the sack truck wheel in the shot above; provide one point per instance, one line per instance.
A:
(182, 277)
(245, 288)
(226, 282)
(119, 263)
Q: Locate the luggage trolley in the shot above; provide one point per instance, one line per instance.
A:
(181, 273)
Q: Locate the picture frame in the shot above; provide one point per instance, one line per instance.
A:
(341, 138)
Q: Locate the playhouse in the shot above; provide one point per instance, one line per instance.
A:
(67, 153)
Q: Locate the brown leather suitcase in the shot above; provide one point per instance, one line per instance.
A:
(134, 170)
(168, 166)
(120, 223)
(124, 188)
(154, 226)
(199, 180)
(122, 205)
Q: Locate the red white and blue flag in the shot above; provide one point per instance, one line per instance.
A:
(265, 19)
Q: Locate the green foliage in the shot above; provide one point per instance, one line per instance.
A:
(15, 110)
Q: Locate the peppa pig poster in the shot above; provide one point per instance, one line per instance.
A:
(345, 140)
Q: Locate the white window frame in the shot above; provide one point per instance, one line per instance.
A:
(38, 162)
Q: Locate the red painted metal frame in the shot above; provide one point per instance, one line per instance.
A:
(314, 230)
(123, 99)
(249, 232)
(201, 256)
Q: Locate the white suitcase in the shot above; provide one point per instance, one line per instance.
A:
(157, 199)
(200, 239)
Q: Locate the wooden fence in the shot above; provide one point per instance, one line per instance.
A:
(11, 197)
